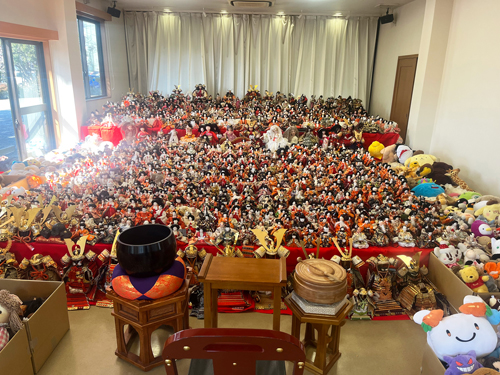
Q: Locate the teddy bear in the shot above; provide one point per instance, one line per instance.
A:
(375, 149)
(471, 278)
(430, 167)
(389, 154)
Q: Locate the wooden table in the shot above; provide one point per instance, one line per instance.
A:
(241, 274)
(327, 345)
(143, 318)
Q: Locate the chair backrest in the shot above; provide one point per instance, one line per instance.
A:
(233, 351)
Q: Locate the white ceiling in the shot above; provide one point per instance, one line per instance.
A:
(293, 7)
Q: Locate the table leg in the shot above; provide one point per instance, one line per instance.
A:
(277, 308)
(207, 291)
(215, 313)
(295, 327)
(320, 361)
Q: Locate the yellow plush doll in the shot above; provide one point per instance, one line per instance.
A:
(471, 278)
(375, 149)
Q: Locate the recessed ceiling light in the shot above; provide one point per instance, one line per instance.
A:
(337, 14)
(281, 13)
(166, 10)
(223, 11)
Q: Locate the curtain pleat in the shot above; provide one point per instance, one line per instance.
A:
(308, 55)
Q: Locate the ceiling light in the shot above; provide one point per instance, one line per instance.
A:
(223, 11)
(338, 14)
(167, 10)
(281, 13)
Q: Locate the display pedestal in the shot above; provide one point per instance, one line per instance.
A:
(327, 345)
(143, 318)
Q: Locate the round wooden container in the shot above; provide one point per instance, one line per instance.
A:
(311, 284)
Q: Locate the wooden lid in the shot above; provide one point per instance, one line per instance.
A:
(312, 271)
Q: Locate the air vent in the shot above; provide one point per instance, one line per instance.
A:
(250, 4)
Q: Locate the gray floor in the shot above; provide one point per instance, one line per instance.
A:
(367, 347)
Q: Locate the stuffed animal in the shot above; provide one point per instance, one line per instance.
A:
(430, 167)
(403, 152)
(473, 255)
(10, 307)
(448, 255)
(471, 278)
(375, 149)
(491, 284)
(481, 229)
(460, 333)
(462, 364)
(428, 190)
(495, 249)
(488, 213)
(389, 154)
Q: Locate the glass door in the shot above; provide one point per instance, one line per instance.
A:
(28, 130)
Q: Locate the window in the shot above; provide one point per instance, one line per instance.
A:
(92, 58)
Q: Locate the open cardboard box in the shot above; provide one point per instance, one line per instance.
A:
(48, 324)
(455, 290)
(447, 282)
(15, 357)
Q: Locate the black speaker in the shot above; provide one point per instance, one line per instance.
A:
(114, 12)
(388, 18)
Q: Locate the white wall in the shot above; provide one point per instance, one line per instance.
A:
(400, 39)
(467, 126)
(428, 78)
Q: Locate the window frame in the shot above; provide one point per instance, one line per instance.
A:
(100, 54)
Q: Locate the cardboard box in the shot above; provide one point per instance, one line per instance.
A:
(15, 357)
(447, 282)
(50, 322)
(431, 365)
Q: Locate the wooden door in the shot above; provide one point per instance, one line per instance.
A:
(403, 90)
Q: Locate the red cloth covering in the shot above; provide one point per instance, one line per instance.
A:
(386, 139)
(57, 251)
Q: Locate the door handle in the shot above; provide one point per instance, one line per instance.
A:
(17, 124)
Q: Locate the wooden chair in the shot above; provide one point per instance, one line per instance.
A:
(233, 351)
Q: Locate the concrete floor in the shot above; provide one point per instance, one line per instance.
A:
(367, 347)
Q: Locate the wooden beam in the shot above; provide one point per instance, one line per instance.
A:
(85, 10)
(13, 30)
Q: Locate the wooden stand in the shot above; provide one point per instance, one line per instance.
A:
(241, 274)
(145, 317)
(327, 345)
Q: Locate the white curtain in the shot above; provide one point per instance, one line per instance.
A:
(308, 55)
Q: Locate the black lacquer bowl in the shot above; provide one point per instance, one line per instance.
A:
(146, 250)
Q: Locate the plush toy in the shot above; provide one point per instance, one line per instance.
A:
(462, 364)
(473, 255)
(460, 333)
(403, 152)
(488, 213)
(10, 307)
(389, 154)
(448, 255)
(495, 249)
(429, 190)
(375, 149)
(481, 229)
(420, 160)
(471, 278)
(491, 284)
